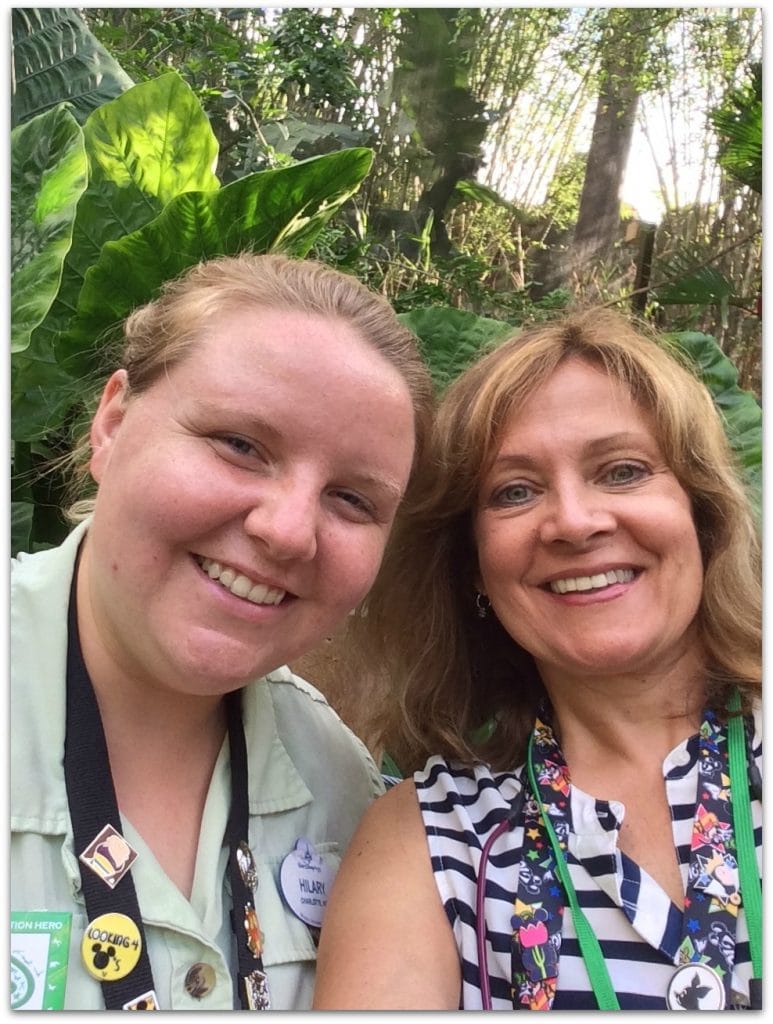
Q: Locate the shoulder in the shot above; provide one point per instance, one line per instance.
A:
(33, 575)
(314, 733)
(444, 784)
(390, 835)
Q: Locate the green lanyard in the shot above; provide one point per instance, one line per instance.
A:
(751, 887)
(600, 981)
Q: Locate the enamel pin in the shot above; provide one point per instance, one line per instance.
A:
(109, 856)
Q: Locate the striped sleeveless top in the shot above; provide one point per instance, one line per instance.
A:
(462, 806)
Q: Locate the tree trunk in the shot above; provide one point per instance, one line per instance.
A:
(598, 219)
(624, 47)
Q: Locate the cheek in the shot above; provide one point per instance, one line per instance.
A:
(501, 556)
(353, 568)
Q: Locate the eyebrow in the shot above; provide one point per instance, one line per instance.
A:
(250, 421)
(258, 425)
(596, 447)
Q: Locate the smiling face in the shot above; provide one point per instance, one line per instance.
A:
(586, 543)
(244, 500)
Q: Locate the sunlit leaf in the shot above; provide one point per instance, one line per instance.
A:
(48, 177)
(279, 210)
(155, 136)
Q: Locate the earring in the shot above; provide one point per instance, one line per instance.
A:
(483, 604)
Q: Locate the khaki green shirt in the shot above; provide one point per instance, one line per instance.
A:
(309, 776)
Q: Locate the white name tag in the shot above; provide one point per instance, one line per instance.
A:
(305, 879)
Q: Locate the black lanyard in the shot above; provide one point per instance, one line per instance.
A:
(93, 805)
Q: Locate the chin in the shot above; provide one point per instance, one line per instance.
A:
(208, 672)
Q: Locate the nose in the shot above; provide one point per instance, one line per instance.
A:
(577, 514)
(284, 519)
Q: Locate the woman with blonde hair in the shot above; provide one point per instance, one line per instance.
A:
(576, 690)
(176, 791)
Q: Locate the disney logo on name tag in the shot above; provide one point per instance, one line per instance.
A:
(305, 878)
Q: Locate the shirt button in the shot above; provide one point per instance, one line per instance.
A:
(200, 980)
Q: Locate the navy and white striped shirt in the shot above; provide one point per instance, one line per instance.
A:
(461, 807)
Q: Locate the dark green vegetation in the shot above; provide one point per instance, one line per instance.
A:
(356, 138)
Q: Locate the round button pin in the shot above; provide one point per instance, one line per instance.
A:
(111, 947)
(696, 987)
(200, 980)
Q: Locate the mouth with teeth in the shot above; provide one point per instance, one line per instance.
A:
(239, 585)
(599, 581)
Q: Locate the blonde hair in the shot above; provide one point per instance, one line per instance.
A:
(448, 674)
(158, 335)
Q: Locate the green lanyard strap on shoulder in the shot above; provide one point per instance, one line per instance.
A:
(751, 886)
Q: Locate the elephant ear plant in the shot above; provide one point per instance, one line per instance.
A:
(109, 199)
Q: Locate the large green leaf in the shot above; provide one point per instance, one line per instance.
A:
(278, 210)
(155, 136)
(105, 212)
(48, 177)
(41, 394)
(450, 339)
(149, 145)
(56, 58)
(741, 411)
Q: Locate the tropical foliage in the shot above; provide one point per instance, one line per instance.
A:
(144, 140)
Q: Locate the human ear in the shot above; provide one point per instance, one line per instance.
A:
(106, 422)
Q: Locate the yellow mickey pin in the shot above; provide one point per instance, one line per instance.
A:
(111, 947)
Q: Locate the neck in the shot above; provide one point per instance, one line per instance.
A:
(627, 717)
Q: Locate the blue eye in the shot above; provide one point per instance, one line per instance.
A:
(625, 473)
(239, 445)
(355, 503)
(513, 494)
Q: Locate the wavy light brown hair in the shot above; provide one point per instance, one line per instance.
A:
(445, 673)
(158, 335)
